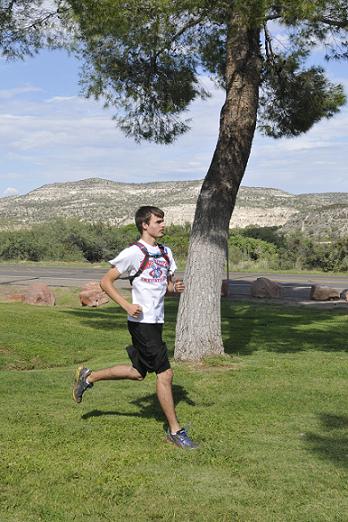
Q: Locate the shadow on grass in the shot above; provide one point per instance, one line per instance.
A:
(107, 318)
(112, 317)
(248, 327)
(332, 442)
(148, 406)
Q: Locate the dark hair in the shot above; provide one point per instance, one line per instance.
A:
(143, 215)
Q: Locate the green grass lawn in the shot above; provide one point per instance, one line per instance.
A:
(271, 419)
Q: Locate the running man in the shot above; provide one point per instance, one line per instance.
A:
(150, 267)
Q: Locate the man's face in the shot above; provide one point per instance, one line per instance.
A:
(155, 228)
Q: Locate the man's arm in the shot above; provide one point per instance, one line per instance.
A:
(106, 283)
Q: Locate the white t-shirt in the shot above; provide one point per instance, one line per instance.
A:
(150, 286)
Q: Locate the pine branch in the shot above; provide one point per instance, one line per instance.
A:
(40, 21)
(9, 7)
(268, 44)
(186, 27)
(339, 24)
(273, 17)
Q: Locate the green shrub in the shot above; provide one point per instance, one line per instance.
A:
(252, 249)
(269, 234)
(249, 248)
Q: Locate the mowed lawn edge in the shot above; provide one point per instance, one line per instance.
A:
(271, 419)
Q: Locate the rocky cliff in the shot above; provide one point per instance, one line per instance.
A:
(115, 203)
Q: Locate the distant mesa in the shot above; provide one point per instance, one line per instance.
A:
(100, 200)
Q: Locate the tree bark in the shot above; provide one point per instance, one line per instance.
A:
(198, 332)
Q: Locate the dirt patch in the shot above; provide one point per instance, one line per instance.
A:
(224, 363)
(218, 368)
(22, 365)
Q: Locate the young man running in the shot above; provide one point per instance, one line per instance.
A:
(150, 267)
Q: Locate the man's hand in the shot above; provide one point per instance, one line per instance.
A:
(134, 310)
(179, 286)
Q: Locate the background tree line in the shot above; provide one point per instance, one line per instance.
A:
(249, 248)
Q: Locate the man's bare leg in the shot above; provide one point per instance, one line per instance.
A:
(121, 371)
(165, 397)
(84, 378)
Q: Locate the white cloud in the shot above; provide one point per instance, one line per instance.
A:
(63, 99)
(6, 94)
(10, 191)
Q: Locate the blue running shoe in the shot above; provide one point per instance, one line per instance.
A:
(80, 384)
(181, 439)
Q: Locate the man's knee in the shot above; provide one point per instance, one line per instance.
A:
(166, 376)
(135, 375)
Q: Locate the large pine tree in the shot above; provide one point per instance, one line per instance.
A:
(145, 58)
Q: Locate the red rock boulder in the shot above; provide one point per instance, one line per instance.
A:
(39, 294)
(92, 295)
(266, 288)
(324, 293)
(225, 288)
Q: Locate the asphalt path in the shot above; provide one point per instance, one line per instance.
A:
(294, 286)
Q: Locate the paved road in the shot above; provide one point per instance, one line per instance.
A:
(293, 286)
(55, 276)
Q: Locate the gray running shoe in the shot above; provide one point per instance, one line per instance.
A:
(80, 384)
(181, 439)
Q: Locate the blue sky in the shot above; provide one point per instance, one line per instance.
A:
(49, 134)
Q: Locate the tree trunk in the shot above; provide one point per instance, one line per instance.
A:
(198, 332)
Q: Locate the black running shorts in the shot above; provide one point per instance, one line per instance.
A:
(149, 353)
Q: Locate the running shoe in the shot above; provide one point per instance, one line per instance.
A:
(80, 383)
(181, 439)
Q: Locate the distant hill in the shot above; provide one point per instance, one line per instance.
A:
(98, 199)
